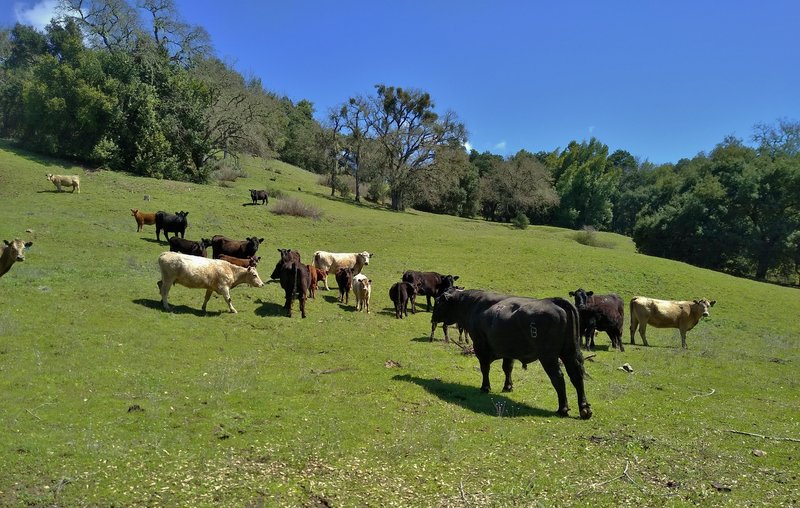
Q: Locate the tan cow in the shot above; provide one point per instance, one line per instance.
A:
(213, 275)
(65, 180)
(332, 261)
(143, 218)
(11, 253)
(683, 315)
(362, 288)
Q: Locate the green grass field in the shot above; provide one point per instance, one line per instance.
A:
(107, 400)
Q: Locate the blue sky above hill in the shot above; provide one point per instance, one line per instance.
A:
(663, 80)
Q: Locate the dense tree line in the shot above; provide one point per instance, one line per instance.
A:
(129, 86)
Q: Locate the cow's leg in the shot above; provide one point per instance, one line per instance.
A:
(163, 287)
(486, 364)
(575, 373)
(683, 338)
(590, 338)
(633, 327)
(643, 332)
(428, 300)
(288, 304)
(325, 280)
(207, 298)
(302, 306)
(226, 293)
(508, 367)
(446, 335)
(553, 371)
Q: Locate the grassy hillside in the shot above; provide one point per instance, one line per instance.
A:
(105, 399)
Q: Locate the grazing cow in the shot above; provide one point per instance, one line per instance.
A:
(400, 293)
(259, 195)
(430, 284)
(65, 180)
(525, 329)
(170, 223)
(11, 253)
(362, 289)
(332, 261)
(605, 313)
(213, 275)
(143, 218)
(344, 279)
(294, 278)
(189, 247)
(243, 262)
(683, 315)
(236, 248)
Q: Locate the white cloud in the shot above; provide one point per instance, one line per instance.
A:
(467, 146)
(38, 15)
(500, 146)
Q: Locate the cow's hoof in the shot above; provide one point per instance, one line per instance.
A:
(586, 412)
(563, 412)
(485, 389)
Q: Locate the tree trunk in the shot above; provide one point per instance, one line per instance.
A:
(358, 188)
(334, 172)
(397, 199)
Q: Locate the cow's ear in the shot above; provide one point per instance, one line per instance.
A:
(712, 302)
(696, 301)
(572, 293)
(261, 240)
(6, 242)
(589, 293)
(28, 244)
(455, 278)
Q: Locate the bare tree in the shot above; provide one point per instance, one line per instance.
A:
(112, 24)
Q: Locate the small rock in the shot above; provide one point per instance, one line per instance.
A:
(720, 487)
(29, 230)
(391, 364)
(626, 367)
(759, 453)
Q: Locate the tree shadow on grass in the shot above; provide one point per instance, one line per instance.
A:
(175, 309)
(469, 397)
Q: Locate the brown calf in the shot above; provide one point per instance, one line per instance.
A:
(143, 218)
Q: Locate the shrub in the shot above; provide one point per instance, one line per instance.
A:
(520, 221)
(378, 192)
(226, 170)
(588, 236)
(295, 207)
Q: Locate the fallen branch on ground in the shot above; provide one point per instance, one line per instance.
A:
(775, 438)
(623, 476)
(701, 395)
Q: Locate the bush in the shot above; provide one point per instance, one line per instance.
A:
(588, 236)
(520, 221)
(226, 170)
(295, 207)
(378, 192)
(345, 184)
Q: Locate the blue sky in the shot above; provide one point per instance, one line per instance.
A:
(663, 80)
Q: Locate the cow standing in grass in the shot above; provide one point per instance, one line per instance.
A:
(11, 253)
(143, 218)
(401, 293)
(332, 261)
(362, 289)
(65, 180)
(605, 313)
(236, 248)
(259, 195)
(430, 284)
(683, 315)
(171, 223)
(213, 275)
(525, 329)
(294, 278)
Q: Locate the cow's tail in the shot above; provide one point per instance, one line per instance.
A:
(295, 289)
(573, 345)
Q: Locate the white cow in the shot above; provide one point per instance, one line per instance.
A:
(11, 252)
(362, 288)
(682, 315)
(65, 180)
(213, 275)
(332, 261)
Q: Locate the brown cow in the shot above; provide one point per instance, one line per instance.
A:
(143, 218)
(12, 252)
(243, 262)
(683, 315)
(236, 248)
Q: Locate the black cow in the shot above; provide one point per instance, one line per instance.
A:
(294, 278)
(236, 248)
(188, 246)
(170, 223)
(430, 284)
(605, 313)
(344, 279)
(525, 329)
(259, 195)
(400, 293)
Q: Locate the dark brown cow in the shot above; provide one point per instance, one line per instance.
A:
(188, 246)
(236, 248)
(525, 329)
(344, 279)
(294, 278)
(430, 284)
(259, 195)
(605, 313)
(401, 293)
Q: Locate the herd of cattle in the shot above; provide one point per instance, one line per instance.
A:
(501, 327)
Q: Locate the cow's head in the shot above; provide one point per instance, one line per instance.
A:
(18, 248)
(581, 297)
(363, 257)
(254, 261)
(704, 305)
(445, 305)
(49, 176)
(448, 281)
(252, 277)
(252, 193)
(134, 211)
(182, 215)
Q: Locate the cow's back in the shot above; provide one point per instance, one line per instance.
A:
(659, 313)
(194, 271)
